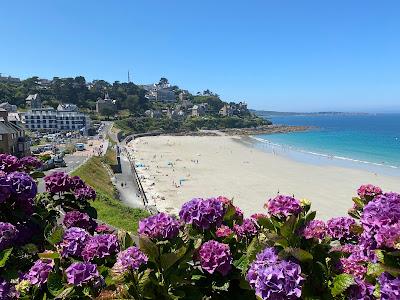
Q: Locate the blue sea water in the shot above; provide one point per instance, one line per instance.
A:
(364, 141)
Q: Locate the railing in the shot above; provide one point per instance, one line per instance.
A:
(150, 208)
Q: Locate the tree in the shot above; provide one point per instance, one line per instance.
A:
(163, 81)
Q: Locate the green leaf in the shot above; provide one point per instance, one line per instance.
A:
(65, 294)
(51, 255)
(299, 254)
(341, 283)
(242, 263)
(310, 216)
(91, 211)
(55, 283)
(169, 259)
(148, 247)
(358, 202)
(256, 245)
(55, 235)
(126, 239)
(287, 227)
(4, 255)
(267, 223)
(143, 282)
(37, 174)
(230, 212)
(375, 269)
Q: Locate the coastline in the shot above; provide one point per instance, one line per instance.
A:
(175, 169)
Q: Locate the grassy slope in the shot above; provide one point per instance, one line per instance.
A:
(109, 209)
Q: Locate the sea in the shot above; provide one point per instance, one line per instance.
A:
(365, 141)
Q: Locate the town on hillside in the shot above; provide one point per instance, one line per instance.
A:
(36, 113)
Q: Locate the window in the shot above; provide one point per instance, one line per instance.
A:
(1, 137)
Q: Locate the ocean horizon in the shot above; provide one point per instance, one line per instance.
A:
(365, 141)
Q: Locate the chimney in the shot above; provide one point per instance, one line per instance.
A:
(4, 114)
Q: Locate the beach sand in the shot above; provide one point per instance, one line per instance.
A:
(178, 168)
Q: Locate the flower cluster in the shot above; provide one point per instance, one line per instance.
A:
(7, 291)
(369, 191)
(85, 193)
(247, 229)
(81, 273)
(160, 226)
(74, 241)
(8, 234)
(203, 213)
(60, 182)
(223, 231)
(215, 257)
(283, 206)
(272, 278)
(30, 163)
(9, 163)
(130, 259)
(100, 246)
(389, 286)
(315, 229)
(361, 290)
(79, 219)
(39, 272)
(355, 264)
(340, 228)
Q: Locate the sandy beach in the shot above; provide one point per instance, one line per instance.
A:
(175, 169)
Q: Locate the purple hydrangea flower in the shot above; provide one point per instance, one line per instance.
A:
(39, 272)
(340, 228)
(368, 191)
(77, 183)
(268, 256)
(100, 246)
(283, 206)
(58, 182)
(215, 257)
(390, 286)
(388, 236)
(258, 216)
(9, 163)
(7, 291)
(362, 290)
(160, 226)
(103, 228)
(238, 214)
(130, 259)
(354, 265)
(85, 193)
(8, 234)
(315, 229)
(74, 241)
(223, 231)
(23, 187)
(30, 163)
(81, 273)
(247, 229)
(5, 187)
(78, 219)
(203, 213)
(272, 278)
(382, 210)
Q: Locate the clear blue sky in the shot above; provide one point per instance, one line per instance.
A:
(276, 55)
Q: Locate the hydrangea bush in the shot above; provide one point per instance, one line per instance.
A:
(52, 247)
